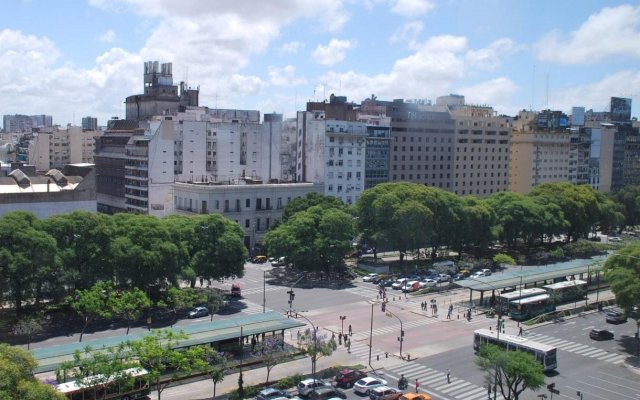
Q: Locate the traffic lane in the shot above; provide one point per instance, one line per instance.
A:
(577, 330)
(594, 379)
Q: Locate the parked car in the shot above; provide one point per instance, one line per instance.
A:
(411, 286)
(615, 317)
(615, 239)
(307, 386)
(198, 312)
(272, 394)
(486, 272)
(397, 285)
(386, 282)
(428, 282)
(347, 377)
(444, 278)
(600, 334)
(370, 277)
(364, 385)
(259, 259)
(384, 393)
(326, 393)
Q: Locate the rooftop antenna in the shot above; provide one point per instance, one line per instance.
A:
(533, 86)
(547, 91)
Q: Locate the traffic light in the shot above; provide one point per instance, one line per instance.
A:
(292, 295)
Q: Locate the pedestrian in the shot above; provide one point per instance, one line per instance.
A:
(520, 332)
(350, 331)
(417, 385)
(448, 375)
(349, 346)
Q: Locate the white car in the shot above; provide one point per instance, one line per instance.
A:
(309, 385)
(397, 285)
(428, 282)
(365, 384)
(370, 277)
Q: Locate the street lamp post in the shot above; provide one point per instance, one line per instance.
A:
(342, 318)
(315, 347)
(264, 290)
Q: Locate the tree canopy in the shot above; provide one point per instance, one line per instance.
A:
(16, 377)
(622, 272)
(512, 372)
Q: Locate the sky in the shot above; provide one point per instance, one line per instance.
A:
(73, 58)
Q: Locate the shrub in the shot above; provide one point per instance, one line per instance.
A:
(557, 253)
(289, 381)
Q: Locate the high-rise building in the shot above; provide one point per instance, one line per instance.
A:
(331, 151)
(89, 124)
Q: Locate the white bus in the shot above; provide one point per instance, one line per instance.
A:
(567, 290)
(504, 299)
(543, 353)
(129, 384)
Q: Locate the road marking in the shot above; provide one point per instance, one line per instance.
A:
(453, 387)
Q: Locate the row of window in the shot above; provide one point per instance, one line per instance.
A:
(426, 139)
(339, 175)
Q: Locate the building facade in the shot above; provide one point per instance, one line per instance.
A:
(255, 207)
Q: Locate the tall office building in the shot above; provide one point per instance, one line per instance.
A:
(89, 124)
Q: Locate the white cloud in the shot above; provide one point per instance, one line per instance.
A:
(411, 8)
(291, 47)
(596, 95)
(108, 37)
(497, 93)
(285, 76)
(490, 57)
(612, 31)
(333, 53)
(431, 71)
(408, 32)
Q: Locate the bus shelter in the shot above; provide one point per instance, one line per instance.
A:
(533, 276)
(217, 333)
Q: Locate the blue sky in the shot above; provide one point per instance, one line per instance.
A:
(72, 58)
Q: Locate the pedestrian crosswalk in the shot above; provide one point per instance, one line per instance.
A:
(577, 348)
(437, 383)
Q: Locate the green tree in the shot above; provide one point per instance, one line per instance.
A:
(158, 354)
(92, 303)
(16, 377)
(215, 301)
(271, 352)
(502, 258)
(181, 299)
(28, 258)
(316, 346)
(216, 368)
(511, 371)
(84, 244)
(316, 239)
(129, 305)
(142, 252)
(28, 327)
(311, 199)
(216, 247)
(477, 221)
(622, 272)
(629, 198)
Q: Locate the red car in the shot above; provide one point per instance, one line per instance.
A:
(347, 377)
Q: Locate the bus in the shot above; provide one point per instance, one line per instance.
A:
(504, 299)
(567, 290)
(129, 384)
(543, 353)
(530, 307)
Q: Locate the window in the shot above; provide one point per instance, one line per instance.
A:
(247, 203)
(247, 223)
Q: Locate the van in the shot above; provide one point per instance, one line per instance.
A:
(411, 286)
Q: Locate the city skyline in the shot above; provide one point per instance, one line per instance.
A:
(75, 58)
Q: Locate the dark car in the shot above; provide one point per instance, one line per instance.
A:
(615, 317)
(387, 282)
(347, 377)
(600, 334)
(327, 393)
(272, 393)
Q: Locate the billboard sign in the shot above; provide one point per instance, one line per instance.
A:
(620, 109)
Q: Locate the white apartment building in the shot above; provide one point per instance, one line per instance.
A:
(333, 152)
(199, 145)
(255, 207)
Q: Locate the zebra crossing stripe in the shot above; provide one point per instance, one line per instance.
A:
(574, 347)
(618, 361)
(609, 357)
(598, 353)
(588, 349)
(479, 392)
(554, 342)
(406, 368)
(453, 387)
